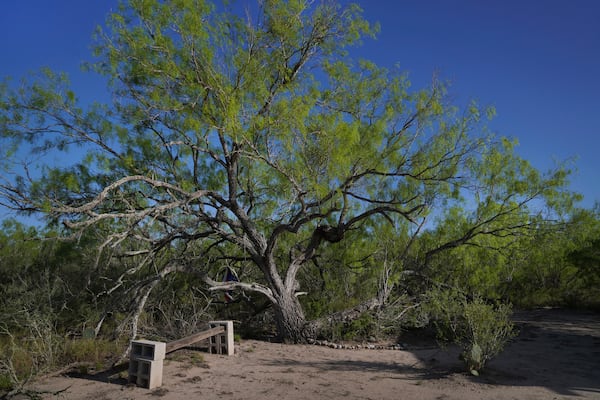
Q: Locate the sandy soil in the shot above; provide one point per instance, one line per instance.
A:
(555, 356)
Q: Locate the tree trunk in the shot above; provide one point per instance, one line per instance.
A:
(290, 320)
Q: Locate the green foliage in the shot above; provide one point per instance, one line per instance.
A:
(98, 353)
(45, 298)
(356, 329)
(42, 275)
(584, 288)
(35, 350)
(556, 267)
(361, 328)
(344, 276)
(39, 349)
(543, 263)
(6, 384)
(479, 328)
(180, 310)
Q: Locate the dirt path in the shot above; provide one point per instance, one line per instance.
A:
(556, 356)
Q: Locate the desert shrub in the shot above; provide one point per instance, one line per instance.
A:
(35, 349)
(6, 383)
(479, 328)
(177, 308)
(96, 352)
(489, 328)
(361, 328)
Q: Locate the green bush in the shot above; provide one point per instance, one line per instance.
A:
(96, 352)
(35, 349)
(479, 328)
(360, 328)
(18, 363)
(6, 383)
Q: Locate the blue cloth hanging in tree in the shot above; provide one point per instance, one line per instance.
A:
(229, 276)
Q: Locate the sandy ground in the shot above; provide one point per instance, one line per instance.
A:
(555, 356)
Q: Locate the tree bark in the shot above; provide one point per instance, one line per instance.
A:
(291, 322)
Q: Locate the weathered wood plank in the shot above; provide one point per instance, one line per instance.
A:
(186, 341)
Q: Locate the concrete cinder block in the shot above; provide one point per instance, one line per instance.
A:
(148, 349)
(146, 373)
(222, 343)
(146, 363)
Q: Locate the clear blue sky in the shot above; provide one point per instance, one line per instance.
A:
(536, 61)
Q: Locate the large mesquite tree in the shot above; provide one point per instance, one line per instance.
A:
(252, 136)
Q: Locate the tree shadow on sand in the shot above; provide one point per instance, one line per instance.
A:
(555, 349)
(111, 375)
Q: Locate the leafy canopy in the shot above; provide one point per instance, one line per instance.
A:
(256, 130)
